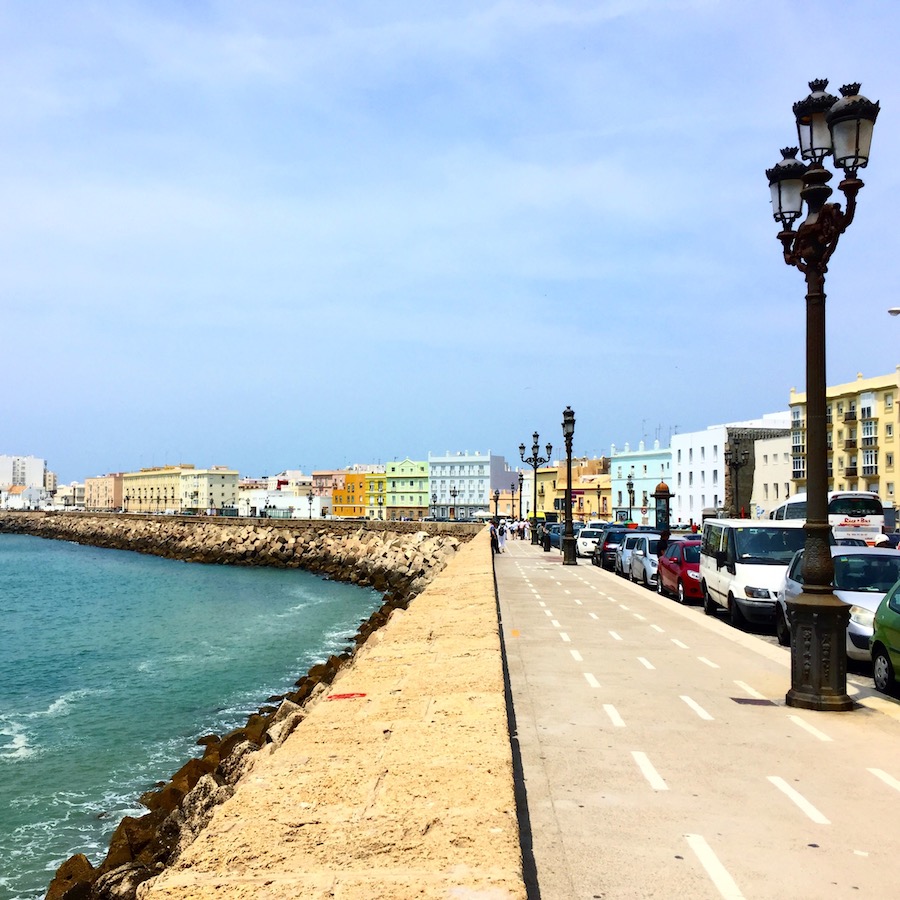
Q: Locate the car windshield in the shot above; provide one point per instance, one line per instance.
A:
(855, 507)
(692, 553)
(870, 572)
(768, 546)
(589, 533)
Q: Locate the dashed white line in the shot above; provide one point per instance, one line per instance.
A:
(753, 693)
(799, 799)
(541, 603)
(565, 637)
(646, 663)
(646, 767)
(697, 708)
(594, 615)
(708, 662)
(810, 728)
(724, 883)
(554, 623)
(576, 656)
(657, 628)
(615, 636)
(614, 716)
(887, 779)
(627, 609)
(639, 616)
(591, 680)
(547, 612)
(681, 644)
(578, 602)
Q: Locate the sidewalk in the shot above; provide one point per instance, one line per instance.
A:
(659, 758)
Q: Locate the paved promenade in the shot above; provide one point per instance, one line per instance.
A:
(660, 759)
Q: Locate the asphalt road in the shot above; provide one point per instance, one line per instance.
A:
(658, 758)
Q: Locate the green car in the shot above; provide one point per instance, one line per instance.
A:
(885, 643)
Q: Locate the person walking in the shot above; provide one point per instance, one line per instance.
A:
(501, 531)
(495, 545)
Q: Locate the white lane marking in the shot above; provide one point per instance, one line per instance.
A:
(554, 623)
(708, 662)
(614, 716)
(541, 603)
(591, 680)
(567, 592)
(623, 605)
(565, 637)
(594, 615)
(657, 628)
(753, 693)
(576, 656)
(887, 779)
(724, 883)
(810, 728)
(578, 602)
(678, 643)
(639, 616)
(547, 612)
(697, 708)
(615, 636)
(646, 663)
(799, 799)
(648, 771)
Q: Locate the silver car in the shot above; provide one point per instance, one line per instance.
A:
(862, 576)
(644, 562)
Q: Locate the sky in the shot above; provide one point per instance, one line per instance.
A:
(297, 235)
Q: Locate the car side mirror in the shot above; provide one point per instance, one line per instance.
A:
(721, 556)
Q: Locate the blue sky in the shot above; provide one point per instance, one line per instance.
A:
(290, 234)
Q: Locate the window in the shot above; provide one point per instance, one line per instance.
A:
(889, 460)
(888, 401)
(889, 430)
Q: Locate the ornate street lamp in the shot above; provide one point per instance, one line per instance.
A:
(736, 458)
(598, 499)
(512, 506)
(534, 461)
(521, 479)
(629, 486)
(380, 508)
(497, 504)
(434, 506)
(309, 497)
(453, 493)
(570, 558)
(841, 128)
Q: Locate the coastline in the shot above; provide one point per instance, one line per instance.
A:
(403, 563)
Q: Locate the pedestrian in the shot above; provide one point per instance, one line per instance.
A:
(495, 546)
(501, 531)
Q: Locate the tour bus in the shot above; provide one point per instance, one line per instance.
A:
(851, 514)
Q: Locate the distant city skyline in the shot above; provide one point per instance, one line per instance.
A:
(282, 236)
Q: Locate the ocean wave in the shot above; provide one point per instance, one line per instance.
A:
(14, 742)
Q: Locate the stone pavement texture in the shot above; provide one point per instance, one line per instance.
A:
(660, 760)
(398, 784)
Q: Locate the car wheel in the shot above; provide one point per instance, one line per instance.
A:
(646, 580)
(680, 590)
(709, 607)
(882, 670)
(737, 617)
(659, 587)
(782, 628)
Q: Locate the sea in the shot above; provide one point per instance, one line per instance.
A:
(114, 663)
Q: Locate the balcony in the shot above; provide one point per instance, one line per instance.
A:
(850, 415)
(870, 442)
(850, 472)
(850, 445)
(869, 471)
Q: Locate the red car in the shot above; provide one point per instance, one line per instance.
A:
(678, 574)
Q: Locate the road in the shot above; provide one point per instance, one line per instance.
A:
(658, 758)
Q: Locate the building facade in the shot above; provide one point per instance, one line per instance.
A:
(104, 493)
(772, 475)
(407, 495)
(376, 494)
(208, 490)
(645, 468)
(26, 471)
(349, 500)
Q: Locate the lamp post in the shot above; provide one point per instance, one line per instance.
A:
(380, 508)
(453, 493)
(598, 501)
(309, 497)
(629, 486)
(497, 504)
(521, 480)
(534, 461)
(570, 558)
(736, 458)
(843, 129)
(512, 505)
(434, 506)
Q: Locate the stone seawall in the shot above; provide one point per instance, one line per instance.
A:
(399, 558)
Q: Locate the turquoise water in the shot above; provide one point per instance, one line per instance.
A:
(113, 664)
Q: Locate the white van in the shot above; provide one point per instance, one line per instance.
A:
(743, 563)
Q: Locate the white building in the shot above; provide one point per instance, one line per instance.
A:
(772, 475)
(28, 471)
(20, 497)
(713, 470)
(207, 489)
(464, 482)
(280, 504)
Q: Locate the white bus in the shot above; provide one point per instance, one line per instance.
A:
(851, 514)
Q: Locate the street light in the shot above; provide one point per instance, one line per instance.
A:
(629, 486)
(598, 500)
(309, 497)
(534, 461)
(841, 128)
(521, 480)
(512, 506)
(570, 558)
(453, 493)
(434, 506)
(380, 508)
(736, 458)
(497, 504)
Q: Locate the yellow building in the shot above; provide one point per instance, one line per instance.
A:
(546, 494)
(375, 495)
(153, 490)
(348, 501)
(862, 421)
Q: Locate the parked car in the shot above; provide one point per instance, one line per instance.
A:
(886, 641)
(623, 554)
(642, 566)
(862, 576)
(586, 541)
(558, 530)
(678, 574)
(605, 552)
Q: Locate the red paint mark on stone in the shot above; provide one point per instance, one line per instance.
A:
(344, 696)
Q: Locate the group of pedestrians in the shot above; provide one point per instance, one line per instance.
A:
(504, 531)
